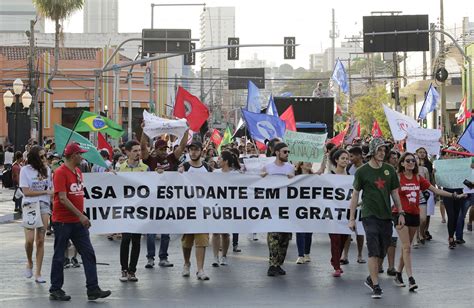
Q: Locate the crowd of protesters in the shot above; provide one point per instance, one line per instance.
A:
(395, 188)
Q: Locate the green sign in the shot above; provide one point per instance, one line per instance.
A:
(305, 147)
(450, 173)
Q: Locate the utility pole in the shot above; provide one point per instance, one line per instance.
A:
(432, 67)
(396, 83)
(333, 35)
(444, 119)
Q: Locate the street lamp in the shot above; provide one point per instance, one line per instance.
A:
(8, 102)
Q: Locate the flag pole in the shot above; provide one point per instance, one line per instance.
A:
(72, 130)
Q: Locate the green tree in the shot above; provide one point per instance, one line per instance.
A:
(369, 107)
(57, 11)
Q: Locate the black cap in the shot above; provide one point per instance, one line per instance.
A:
(196, 144)
(280, 146)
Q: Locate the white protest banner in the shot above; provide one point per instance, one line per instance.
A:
(305, 147)
(399, 123)
(451, 173)
(173, 202)
(255, 165)
(156, 126)
(424, 138)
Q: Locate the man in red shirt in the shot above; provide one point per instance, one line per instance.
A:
(70, 223)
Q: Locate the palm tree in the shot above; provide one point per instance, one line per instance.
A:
(56, 10)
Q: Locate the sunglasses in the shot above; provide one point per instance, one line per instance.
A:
(285, 152)
(410, 160)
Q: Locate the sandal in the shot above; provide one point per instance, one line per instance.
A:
(344, 261)
(361, 261)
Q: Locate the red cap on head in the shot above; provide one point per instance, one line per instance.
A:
(73, 148)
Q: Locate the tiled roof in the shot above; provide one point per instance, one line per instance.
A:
(21, 52)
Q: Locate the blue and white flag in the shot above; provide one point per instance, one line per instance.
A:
(263, 126)
(430, 103)
(271, 108)
(339, 75)
(467, 138)
(253, 98)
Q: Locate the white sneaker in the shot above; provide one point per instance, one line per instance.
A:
(202, 276)
(307, 259)
(224, 261)
(28, 272)
(123, 276)
(186, 270)
(300, 260)
(216, 262)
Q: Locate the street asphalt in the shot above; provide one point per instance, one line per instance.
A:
(445, 277)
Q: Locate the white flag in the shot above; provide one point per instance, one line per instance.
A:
(399, 123)
(424, 138)
(156, 126)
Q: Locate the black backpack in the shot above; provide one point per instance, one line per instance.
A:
(7, 178)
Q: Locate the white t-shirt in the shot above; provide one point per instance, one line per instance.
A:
(201, 169)
(8, 158)
(285, 169)
(29, 177)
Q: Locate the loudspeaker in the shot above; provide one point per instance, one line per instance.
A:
(309, 109)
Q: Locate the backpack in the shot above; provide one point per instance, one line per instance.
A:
(7, 179)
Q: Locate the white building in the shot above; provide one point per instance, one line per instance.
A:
(101, 16)
(342, 53)
(15, 16)
(316, 62)
(217, 25)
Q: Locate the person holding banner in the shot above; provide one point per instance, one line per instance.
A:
(36, 185)
(411, 187)
(228, 163)
(200, 240)
(340, 159)
(132, 164)
(303, 240)
(70, 223)
(377, 181)
(278, 241)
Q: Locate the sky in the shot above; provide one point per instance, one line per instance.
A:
(268, 21)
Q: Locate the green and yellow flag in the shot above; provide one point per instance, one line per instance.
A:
(226, 139)
(92, 122)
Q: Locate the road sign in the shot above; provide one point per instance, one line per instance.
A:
(233, 53)
(441, 74)
(190, 58)
(399, 41)
(166, 46)
(239, 77)
(289, 50)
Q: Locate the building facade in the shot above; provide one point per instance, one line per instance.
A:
(101, 16)
(15, 16)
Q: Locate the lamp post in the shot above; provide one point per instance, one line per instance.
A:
(8, 102)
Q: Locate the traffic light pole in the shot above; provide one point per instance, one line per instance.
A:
(466, 57)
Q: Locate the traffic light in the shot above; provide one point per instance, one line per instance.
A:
(289, 51)
(233, 53)
(190, 58)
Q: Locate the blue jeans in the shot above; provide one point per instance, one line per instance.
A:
(79, 235)
(462, 215)
(303, 242)
(164, 243)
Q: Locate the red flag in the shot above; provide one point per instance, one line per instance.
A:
(103, 144)
(260, 146)
(463, 114)
(216, 137)
(338, 110)
(376, 131)
(339, 138)
(289, 118)
(190, 107)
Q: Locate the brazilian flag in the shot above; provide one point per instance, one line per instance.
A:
(226, 139)
(92, 122)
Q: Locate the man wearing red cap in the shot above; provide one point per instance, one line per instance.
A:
(70, 223)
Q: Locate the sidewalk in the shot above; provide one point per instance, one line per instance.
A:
(7, 206)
